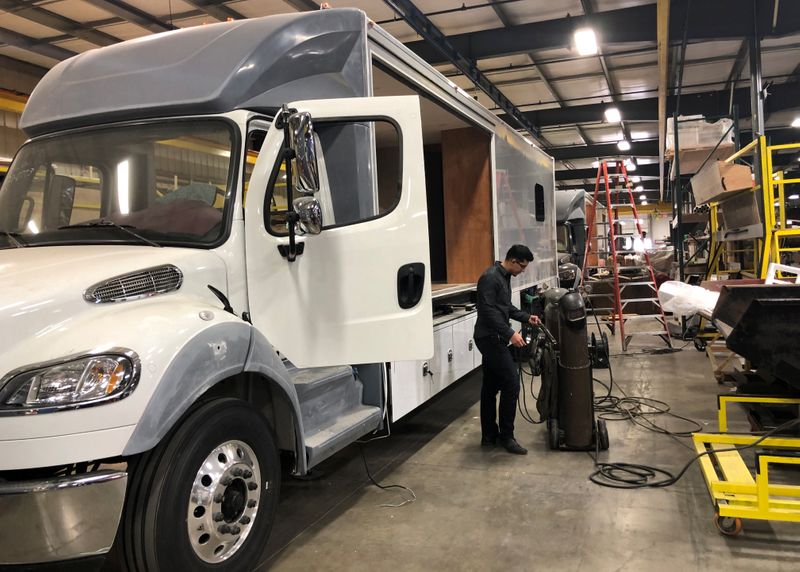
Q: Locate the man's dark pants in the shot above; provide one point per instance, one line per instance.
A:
(499, 374)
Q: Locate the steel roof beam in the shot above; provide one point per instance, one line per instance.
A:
(635, 24)
(782, 96)
(133, 15)
(644, 171)
(57, 22)
(216, 9)
(33, 45)
(646, 148)
(439, 42)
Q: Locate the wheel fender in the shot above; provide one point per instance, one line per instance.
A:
(212, 355)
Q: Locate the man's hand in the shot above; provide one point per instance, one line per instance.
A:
(517, 341)
(534, 320)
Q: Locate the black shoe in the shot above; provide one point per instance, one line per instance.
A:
(488, 441)
(513, 447)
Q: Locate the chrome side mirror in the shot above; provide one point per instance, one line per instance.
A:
(309, 213)
(305, 173)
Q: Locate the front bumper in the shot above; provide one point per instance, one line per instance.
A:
(60, 518)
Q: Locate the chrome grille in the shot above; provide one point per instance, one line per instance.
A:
(141, 284)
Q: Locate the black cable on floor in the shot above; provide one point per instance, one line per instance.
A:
(633, 476)
(386, 487)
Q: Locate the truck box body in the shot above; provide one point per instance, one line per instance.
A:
(157, 273)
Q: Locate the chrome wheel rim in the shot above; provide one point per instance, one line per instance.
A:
(224, 501)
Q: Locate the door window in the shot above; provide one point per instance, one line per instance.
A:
(360, 167)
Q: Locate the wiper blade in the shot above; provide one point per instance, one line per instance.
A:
(110, 223)
(14, 238)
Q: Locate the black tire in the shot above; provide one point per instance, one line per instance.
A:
(602, 435)
(153, 535)
(728, 525)
(699, 344)
(553, 434)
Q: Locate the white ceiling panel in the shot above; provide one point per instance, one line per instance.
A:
(712, 49)
(401, 31)
(258, 8)
(782, 41)
(563, 137)
(25, 27)
(783, 119)
(779, 63)
(540, 10)
(203, 20)
(608, 133)
(605, 5)
(555, 54)
(637, 80)
(162, 9)
(581, 66)
(628, 47)
(621, 60)
(125, 31)
(78, 10)
(467, 21)
(526, 94)
(76, 45)
(377, 11)
(588, 88)
(705, 73)
(26, 56)
(504, 61)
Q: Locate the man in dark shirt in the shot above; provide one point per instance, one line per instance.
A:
(493, 336)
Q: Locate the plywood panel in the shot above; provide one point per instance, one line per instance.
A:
(466, 170)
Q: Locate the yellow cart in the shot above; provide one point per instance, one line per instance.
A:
(735, 491)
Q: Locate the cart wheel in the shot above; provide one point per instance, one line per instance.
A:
(699, 344)
(602, 434)
(554, 437)
(728, 525)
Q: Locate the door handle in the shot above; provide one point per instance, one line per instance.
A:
(410, 283)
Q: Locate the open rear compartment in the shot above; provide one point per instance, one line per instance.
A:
(487, 188)
(459, 188)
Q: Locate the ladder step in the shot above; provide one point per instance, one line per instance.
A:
(647, 283)
(628, 300)
(650, 333)
(644, 317)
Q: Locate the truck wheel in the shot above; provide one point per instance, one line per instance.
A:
(205, 498)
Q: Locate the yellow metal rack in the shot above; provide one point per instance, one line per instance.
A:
(777, 234)
(735, 491)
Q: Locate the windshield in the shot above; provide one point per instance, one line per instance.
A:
(169, 183)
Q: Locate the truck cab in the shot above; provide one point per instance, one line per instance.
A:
(215, 248)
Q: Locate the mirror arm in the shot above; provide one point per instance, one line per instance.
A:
(292, 217)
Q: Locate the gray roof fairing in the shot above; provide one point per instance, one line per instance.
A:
(260, 63)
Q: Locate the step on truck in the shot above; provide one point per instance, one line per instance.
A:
(227, 246)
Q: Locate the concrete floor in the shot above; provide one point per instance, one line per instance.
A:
(488, 510)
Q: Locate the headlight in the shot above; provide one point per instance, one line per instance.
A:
(71, 382)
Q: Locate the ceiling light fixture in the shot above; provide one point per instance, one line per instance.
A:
(796, 122)
(642, 197)
(638, 189)
(623, 145)
(636, 179)
(644, 203)
(630, 165)
(586, 42)
(613, 115)
(794, 197)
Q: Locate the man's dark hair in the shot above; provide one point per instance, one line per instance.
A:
(519, 252)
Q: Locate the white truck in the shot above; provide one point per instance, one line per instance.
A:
(219, 244)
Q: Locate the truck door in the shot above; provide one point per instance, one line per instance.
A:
(360, 291)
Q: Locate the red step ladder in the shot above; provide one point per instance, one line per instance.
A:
(654, 321)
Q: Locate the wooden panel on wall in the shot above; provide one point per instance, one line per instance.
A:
(466, 170)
